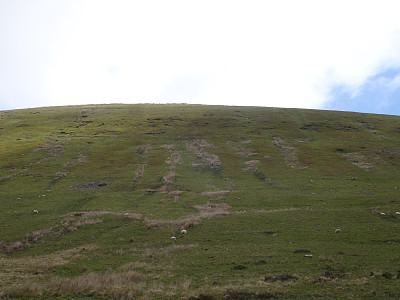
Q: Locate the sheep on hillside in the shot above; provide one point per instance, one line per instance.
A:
(183, 231)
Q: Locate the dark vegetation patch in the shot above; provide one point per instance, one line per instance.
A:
(202, 297)
(282, 277)
(329, 126)
(302, 251)
(238, 295)
(269, 232)
(91, 186)
(239, 267)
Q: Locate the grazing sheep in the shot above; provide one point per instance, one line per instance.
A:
(35, 211)
(382, 214)
(18, 198)
(173, 238)
(397, 212)
(337, 230)
(183, 231)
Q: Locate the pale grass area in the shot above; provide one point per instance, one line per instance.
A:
(251, 166)
(241, 150)
(75, 220)
(15, 271)
(70, 222)
(208, 210)
(263, 211)
(173, 160)
(111, 283)
(246, 288)
(67, 167)
(139, 173)
(141, 150)
(367, 163)
(176, 195)
(289, 153)
(216, 195)
(27, 240)
(134, 280)
(53, 149)
(204, 159)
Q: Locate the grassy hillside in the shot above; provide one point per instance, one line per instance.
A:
(260, 192)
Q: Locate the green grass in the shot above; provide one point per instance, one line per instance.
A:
(289, 179)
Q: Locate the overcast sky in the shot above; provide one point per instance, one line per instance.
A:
(341, 55)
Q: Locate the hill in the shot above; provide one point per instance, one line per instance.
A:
(276, 203)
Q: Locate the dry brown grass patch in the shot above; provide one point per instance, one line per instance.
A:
(114, 284)
(27, 240)
(18, 270)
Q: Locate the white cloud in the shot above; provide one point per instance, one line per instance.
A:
(268, 53)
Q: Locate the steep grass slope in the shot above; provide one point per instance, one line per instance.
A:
(260, 192)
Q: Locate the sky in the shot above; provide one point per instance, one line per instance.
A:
(336, 55)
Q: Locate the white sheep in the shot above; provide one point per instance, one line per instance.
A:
(397, 212)
(35, 211)
(183, 231)
(173, 238)
(337, 230)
